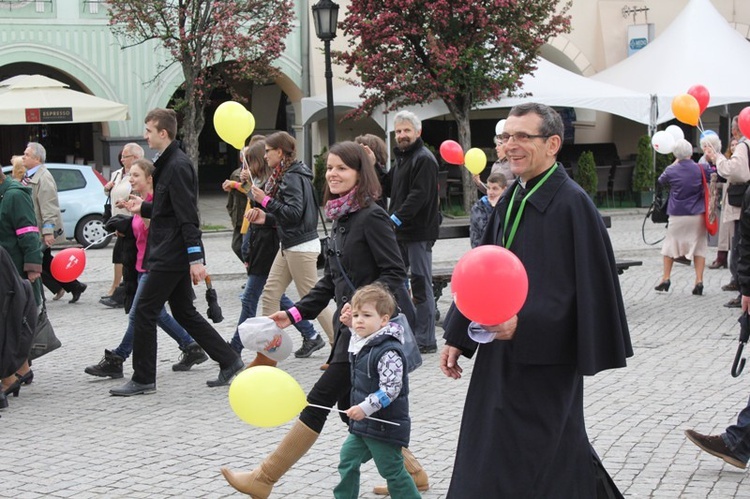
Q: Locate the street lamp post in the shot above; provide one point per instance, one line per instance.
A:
(325, 16)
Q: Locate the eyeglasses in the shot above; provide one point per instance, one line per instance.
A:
(498, 141)
(521, 137)
(269, 149)
(127, 156)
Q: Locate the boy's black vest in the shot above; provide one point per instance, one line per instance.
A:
(365, 380)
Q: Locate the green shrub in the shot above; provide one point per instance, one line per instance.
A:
(586, 174)
(643, 176)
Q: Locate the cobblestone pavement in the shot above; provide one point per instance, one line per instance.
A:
(66, 437)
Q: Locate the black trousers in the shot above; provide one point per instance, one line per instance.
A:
(177, 289)
(49, 281)
(333, 387)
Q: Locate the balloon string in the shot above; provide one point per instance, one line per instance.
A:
(245, 166)
(99, 240)
(339, 410)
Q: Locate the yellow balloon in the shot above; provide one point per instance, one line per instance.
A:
(266, 396)
(686, 109)
(475, 160)
(233, 123)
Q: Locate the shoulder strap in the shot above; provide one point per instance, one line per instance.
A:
(340, 265)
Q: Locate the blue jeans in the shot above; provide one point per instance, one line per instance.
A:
(250, 298)
(165, 321)
(737, 436)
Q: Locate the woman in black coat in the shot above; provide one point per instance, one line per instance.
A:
(364, 246)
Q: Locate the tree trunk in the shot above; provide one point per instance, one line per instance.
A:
(464, 138)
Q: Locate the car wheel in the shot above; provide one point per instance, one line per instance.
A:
(90, 229)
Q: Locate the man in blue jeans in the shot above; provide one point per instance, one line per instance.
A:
(733, 446)
(415, 210)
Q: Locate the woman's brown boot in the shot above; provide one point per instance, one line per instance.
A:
(262, 360)
(259, 483)
(416, 471)
(721, 260)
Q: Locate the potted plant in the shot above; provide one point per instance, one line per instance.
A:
(643, 174)
(586, 174)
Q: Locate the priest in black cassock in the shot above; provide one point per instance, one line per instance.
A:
(523, 434)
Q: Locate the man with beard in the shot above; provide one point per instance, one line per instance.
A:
(415, 210)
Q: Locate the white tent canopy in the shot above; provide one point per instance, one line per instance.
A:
(694, 49)
(32, 99)
(549, 84)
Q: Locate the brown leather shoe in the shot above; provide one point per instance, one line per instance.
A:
(716, 264)
(714, 445)
(59, 295)
(730, 286)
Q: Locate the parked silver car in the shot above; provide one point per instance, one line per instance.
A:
(80, 190)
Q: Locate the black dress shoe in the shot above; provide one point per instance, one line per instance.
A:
(78, 292)
(226, 375)
(428, 349)
(664, 285)
(132, 388)
(109, 302)
(698, 289)
(735, 303)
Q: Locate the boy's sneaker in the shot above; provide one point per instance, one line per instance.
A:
(192, 355)
(309, 346)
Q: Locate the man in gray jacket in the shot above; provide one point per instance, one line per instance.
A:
(48, 217)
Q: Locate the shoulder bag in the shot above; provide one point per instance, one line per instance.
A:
(410, 348)
(44, 340)
(736, 192)
(712, 223)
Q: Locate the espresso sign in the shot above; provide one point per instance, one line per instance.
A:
(49, 115)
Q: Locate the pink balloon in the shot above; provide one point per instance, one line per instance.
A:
(68, 264)
(489, 285)
(452, 152)
(744, 121)
(701, 95)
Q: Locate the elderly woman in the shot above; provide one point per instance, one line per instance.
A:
(501, 166)
(718, 188)
(686, 233)
(19, 171)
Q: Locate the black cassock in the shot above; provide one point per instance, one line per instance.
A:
(523, 433)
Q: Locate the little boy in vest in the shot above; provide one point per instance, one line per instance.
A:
(380, 389)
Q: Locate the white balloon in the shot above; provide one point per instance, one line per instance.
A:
(662, 142)
(676, 132)
(499, 127)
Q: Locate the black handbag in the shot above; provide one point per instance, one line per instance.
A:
(324, 241)
(736, 193)
(107, 210)
(658, 209)
(44, 340)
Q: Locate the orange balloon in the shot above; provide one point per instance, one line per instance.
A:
(686, 109)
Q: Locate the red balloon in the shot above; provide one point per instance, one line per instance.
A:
(68, 264)
(701, 95)
(489, 285)
(451, 152)
(744, 121)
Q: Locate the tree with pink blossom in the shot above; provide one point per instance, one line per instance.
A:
(464, 53)
(217, 43)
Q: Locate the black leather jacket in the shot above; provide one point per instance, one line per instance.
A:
(293, 209)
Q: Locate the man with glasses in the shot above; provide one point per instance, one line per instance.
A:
(523, 432)
(415, 211)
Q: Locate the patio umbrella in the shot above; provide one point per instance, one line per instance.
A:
(32, 99)
(214, 310)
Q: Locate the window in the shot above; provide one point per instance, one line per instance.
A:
(67, 180)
